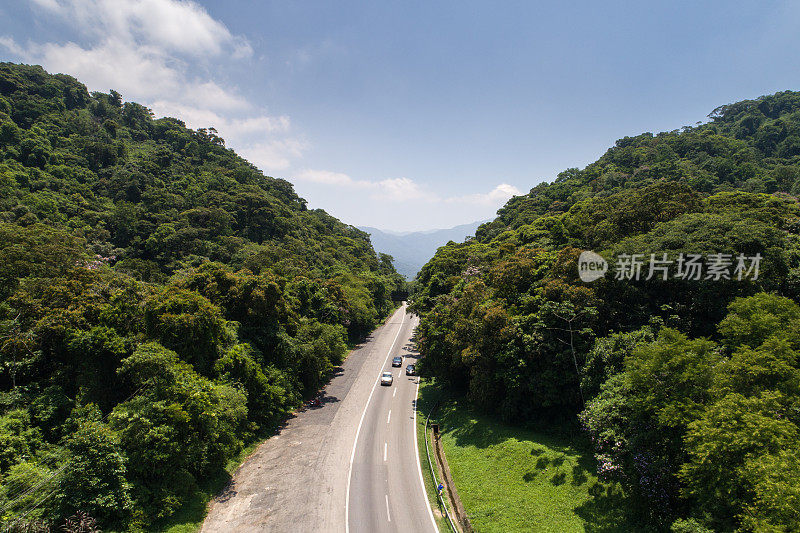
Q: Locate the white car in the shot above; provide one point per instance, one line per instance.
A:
(386, 378)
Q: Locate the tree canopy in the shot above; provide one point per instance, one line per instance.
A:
(687, 388)
(162, 301)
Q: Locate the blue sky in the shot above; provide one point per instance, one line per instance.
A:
(416, 115)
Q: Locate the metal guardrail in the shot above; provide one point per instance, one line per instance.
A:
(433, 472)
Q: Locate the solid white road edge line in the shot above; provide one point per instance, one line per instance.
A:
(358, 431)
(419, 466)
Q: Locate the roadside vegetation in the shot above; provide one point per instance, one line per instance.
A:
(513, 479)
(688, 390)
(423, 407)
(163, 305)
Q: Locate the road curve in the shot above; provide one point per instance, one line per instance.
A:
(297, 481)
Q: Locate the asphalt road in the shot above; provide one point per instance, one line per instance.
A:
(386, 492)
(325, 469)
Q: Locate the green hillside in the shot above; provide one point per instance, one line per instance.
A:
(161, 302)
(688, 389)
(752, 146)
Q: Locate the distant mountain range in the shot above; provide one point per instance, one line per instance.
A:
(413, 249)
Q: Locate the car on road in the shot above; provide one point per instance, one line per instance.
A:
(397, 361)
(411, 370)
(386, 378)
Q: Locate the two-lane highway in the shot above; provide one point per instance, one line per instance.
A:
(349, 465)
(386, 491)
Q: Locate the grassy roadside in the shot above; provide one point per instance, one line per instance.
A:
(514, 480)
(438, 515)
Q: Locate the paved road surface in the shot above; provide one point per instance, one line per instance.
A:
(297, 481)
(386, 492)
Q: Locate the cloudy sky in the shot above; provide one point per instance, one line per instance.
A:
(415, 115)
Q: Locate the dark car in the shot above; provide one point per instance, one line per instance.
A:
(397, 361)
(411, 370)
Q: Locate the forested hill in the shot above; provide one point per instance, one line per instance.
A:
(687, 387)
(161, 301)
(751, 146)
(152, 193)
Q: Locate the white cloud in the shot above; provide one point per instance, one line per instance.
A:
(11, 45)
(400, 189)
(47, 4)
(252, 136)
(397, 203)
(396, 189)
(275, 154)
(151, 51)
(498, 195)
(160, 53)
(325, 176)
(172, 25)
(137, 72)
(143, 48)
(213, 95)
(236, 128)
(404, 189)
(242, 48)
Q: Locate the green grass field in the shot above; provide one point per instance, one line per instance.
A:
(511, 479)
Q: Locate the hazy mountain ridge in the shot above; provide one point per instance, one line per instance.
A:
(411, 250)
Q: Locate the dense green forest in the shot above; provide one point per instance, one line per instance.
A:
(688, 390)
(161, 302)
